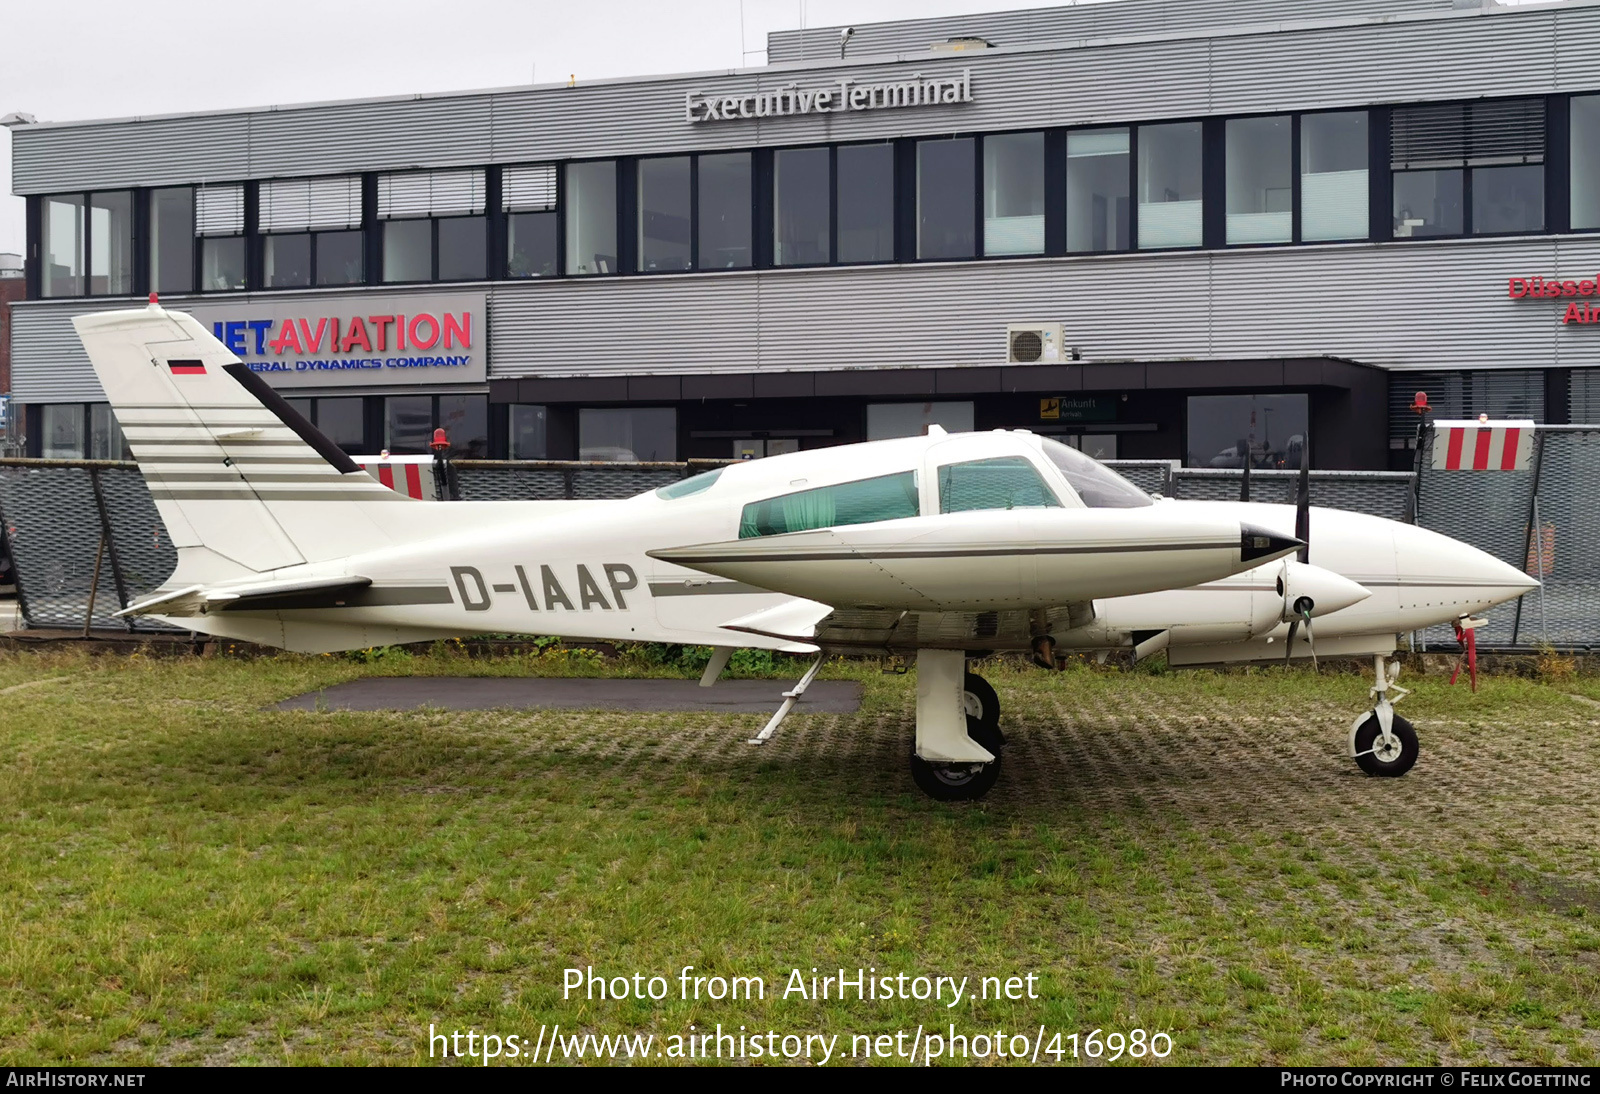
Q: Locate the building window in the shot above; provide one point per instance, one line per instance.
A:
(627, 434)
(63, 428)
(408, 250)
(288, 261)
(338, 258)
(63, 246)
(1508, 199)
(1170, 186)
(725, 202)
(434, 225)
(1013, 194)
(110, 243)
(172, 240)
(407, 424)
(106, 441)
(528, 198)
(529, 432)
(463, 246)
(1444, 154)
(1260, 186)
(946, 205)
(1585, 171)
(219, 222)
(1333, 176)
(591, 197)
(887, 420)
(342, 420)
(312, 230)
(801, 208)
(1428, 203)
(665, 237)
(465, 421)
(866, 202)
(1269, 430)
(1098, 179)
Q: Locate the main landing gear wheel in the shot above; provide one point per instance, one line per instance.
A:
(954, 782)
(1386, 759)
(982, 704)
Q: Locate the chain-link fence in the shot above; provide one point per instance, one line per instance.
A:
(1543, 519)
(86, 533)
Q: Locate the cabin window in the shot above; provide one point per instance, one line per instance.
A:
(1096, 485)
(888, 497)
(1008, 482)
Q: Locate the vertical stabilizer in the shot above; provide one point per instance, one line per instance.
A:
(243, 482)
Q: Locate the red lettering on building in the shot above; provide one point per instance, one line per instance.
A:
(458, 331)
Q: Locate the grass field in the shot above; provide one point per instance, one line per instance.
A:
(189, 877)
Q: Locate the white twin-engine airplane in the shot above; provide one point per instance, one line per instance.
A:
(941, 546)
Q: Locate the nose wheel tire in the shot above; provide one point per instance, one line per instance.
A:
(983, 704)
(949, 782)
(1386, 760)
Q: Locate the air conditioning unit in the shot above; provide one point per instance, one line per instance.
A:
(1034, 344)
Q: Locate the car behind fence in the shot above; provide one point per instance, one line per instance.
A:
(86, 539)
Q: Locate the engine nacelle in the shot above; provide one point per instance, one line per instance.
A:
(1305, 588)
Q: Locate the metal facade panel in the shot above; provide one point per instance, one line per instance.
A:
(48, 364)
(438, 131)
(1577, 34)
(1517, 52)
(1130, 17)
(1512, 54)
(165, 151)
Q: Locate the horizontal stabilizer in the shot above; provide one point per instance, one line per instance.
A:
(263, 595)
(795, 620)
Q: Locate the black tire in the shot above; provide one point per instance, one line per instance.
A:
(960, 782)
(1374, 764)
(983, 703)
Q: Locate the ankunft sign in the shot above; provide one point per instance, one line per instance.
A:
(356, 341)
(841, 97)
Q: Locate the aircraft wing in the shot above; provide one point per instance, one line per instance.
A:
(807, 621)
(259, 596)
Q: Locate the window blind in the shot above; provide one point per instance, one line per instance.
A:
(1468, 134)
(319, 204)
(431, 193)
(219, 210)
(530, 188)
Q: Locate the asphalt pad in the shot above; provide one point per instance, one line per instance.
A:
(545, 693)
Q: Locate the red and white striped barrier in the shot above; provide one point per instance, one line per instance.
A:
(408, 475)
(1483, 446)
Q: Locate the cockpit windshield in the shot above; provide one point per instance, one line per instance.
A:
(1098, 485)
(694, 484)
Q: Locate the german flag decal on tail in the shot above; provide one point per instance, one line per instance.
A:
(187, 368)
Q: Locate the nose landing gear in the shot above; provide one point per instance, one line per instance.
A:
(1381, 742)
(956, 755)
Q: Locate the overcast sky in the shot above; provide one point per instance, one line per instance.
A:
(98, 59)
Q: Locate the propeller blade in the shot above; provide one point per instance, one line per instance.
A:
(1288, 645)
(1311, 640)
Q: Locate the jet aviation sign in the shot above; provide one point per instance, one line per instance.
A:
(359, 340)
(842, 97)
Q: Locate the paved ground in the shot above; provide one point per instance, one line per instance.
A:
(526, 693)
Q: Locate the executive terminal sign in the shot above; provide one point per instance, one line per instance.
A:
(358, 340)
(838, 98)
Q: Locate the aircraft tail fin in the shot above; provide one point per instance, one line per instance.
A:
(243, 482)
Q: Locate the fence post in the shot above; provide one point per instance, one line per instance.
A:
(1527, 544)
(110, 543)
(94, 586)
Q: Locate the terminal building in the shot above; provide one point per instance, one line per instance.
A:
(1155, 229)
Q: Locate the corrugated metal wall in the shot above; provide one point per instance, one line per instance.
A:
(1102, 20)
(1513, 52)
(1416, 305)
